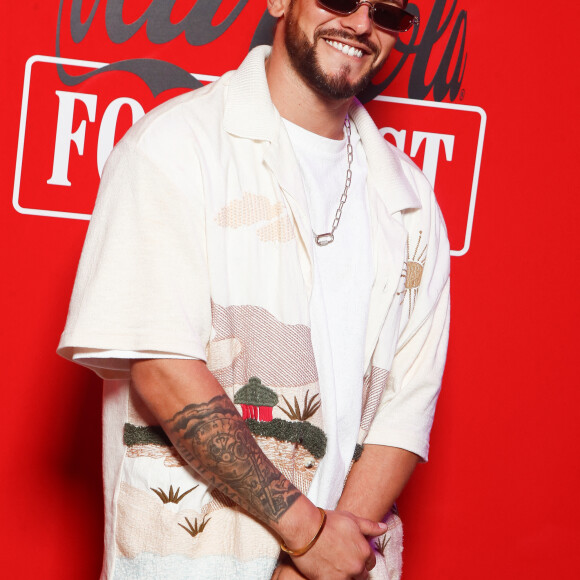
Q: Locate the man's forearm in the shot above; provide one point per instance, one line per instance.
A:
(213, 438)
(209, 433)
(376, 480)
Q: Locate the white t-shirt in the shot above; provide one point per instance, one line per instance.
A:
(343, 277)
(339, 303)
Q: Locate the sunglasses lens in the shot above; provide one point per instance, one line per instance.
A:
(340, 6)
(385, 15)
(392, 18)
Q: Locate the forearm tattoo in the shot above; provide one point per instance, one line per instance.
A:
(215, 441)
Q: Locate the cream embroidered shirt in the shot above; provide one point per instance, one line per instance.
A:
(200, 246)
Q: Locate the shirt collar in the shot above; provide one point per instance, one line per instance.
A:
(250, 113)
(385, 163)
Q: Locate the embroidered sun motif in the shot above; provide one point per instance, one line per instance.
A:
(413, 272)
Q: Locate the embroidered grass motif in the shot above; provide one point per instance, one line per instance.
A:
(308, 411)
(145, 435)
(173, 496)
(381, 544)
(195, 529)
(413, 272)
(312, 438)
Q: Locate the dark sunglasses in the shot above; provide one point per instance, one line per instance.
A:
(385, 16)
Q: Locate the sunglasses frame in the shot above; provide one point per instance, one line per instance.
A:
(371, 6)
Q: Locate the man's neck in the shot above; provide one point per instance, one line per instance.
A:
(299, 103)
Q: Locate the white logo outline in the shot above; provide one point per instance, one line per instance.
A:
(91, 64)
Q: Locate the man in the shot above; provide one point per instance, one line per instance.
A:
(273, 279)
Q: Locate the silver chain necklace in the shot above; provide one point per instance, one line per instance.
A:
(328, 238)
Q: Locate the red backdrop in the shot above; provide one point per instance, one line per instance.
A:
(494, 123)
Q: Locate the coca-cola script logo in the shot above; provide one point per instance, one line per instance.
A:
(124, 23)
(75, 110)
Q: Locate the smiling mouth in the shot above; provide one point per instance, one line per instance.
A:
(345, 48)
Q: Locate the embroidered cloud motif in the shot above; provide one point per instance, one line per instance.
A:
(253, 209)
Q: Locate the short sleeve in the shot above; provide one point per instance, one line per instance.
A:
(405, 414)
(142, 281)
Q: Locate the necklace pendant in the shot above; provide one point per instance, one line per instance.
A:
(324, 239)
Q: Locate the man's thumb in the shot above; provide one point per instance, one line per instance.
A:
(371, 528)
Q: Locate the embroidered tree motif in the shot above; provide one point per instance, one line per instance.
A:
(413, 272)
(173, 496)
(195, 529)
(297, 414)
(381, 544)
(257, 400)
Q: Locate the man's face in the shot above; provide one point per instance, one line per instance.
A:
(336, 55)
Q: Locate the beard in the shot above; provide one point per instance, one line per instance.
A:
(304, 59)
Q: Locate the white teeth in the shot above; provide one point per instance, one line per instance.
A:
(346, 49)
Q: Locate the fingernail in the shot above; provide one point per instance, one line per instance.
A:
(383, 526)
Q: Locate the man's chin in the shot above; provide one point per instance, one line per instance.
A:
(329, 77)
(341, 86)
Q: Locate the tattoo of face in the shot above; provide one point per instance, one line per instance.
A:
(215, 441)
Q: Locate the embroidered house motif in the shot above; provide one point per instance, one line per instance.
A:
(256, 400)
(249, 341)
(413, 272)
(296, 446)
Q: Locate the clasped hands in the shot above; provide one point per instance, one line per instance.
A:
(342, 552)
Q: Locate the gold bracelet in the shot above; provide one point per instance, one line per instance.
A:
(302, 551)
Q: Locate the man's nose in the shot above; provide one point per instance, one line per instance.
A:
(359, 21)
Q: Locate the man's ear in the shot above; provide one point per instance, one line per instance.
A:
(276, 8)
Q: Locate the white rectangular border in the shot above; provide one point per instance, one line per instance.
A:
(22, 131)
(209, 78)
(478, 155)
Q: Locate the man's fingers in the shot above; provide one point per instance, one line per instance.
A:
(370, 528)
(342, 550)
